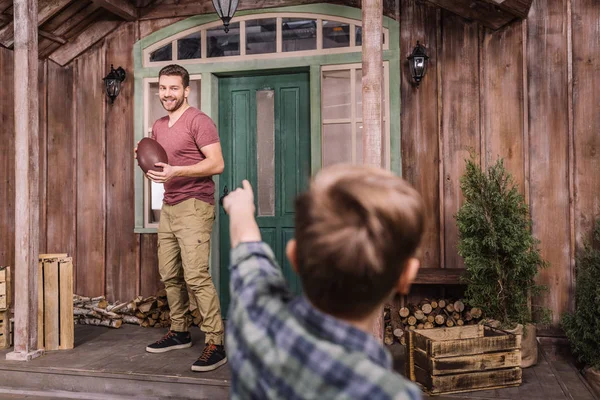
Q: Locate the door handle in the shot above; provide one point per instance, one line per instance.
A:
(225, 193)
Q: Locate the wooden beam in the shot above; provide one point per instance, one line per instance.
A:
(27, 208)
(122, 8)
(476, 10)
(4, 4)
(63, 55)
(52, 37)
(47, 9)
(372, 94)
(519, 8)
(439, 276)
(6, 18)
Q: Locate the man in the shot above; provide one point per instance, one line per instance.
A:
(191, 141)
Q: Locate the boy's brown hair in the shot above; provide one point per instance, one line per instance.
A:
(356, 228)
(176, 70)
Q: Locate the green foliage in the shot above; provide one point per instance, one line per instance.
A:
(583, 326)
(495, 240)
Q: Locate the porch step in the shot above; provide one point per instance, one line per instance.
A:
(51, 383)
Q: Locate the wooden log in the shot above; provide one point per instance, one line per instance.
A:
(460, 322)
(404, 312)
(421, 326)
(110, 323)
(434, 304)
(130, 319)
(467, 316)
(450, 307)
(476, 312)
(442, 303)
(412, 321)
(431, 318)
(426, 308)
(428, 325)
(388, 337)
(440, 319)
(459, 306)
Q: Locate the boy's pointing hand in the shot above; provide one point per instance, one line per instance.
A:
(240, 201)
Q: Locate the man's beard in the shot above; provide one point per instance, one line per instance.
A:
(175, 106)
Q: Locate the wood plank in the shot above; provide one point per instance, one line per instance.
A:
(548, 148)
(43, 166)
(27, 210)
(175, 9)
(479, 345)
(520, 8)
(439, 276)
(66, 339)
(121, 8)
(459, 62)
(467, 382)
(91, 178)
(7, 159)
(454, 333)
(46, 10)
(40, 310)
(466, 364)
(486, 14)
(52, 37)
(150, 26)
(502, 100)
(419, 119)
(4, 4)
(120, 239)
(586, 118)
(51, 305)
(150, 278)
(88, 38)
(61, 199)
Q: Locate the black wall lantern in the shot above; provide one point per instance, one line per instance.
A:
(225, 9)
(417, 62)
(112, 82)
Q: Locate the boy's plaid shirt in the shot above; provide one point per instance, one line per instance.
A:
(281, 347)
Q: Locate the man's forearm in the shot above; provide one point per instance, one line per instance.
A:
(204, 168)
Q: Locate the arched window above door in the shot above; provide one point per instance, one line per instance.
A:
(268, 35)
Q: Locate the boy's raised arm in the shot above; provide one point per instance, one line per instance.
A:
(239, 205)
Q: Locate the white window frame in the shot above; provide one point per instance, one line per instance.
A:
(148, 133)
(353, 120)
(279, 42)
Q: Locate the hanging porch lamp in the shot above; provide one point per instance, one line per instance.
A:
(417, 63)
(225, 9)
(112, 82)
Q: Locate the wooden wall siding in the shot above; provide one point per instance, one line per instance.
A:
(501, 98)
(547, 70)
(459, 63)
(419, 121)
(586, 115)
(120, 242)
(61, 201)
(90, 102)
(43, 137)
(7, 159)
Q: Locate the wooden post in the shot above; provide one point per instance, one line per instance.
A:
(27, 206)
(372, 98)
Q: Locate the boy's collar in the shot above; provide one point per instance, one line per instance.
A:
(337, 331)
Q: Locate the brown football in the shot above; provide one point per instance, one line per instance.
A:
(150, 152)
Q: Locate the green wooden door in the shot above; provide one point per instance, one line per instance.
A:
(264, 125)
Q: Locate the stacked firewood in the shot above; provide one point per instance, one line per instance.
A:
(152, 311)
(428, 314)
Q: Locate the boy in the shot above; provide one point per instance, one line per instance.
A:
(357, 230)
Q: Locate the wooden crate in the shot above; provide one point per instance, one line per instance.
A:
(5, 329)
(55, 302)
(463, 359)
(5, 288)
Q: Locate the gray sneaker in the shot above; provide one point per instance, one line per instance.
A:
(171, 341)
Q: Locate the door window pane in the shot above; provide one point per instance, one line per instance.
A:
(165, 53)
(221, 44)
(335, 34)
(265, 154)
(336, 100)
(261, 36)
(299, 34)
(337, 143)
(189, 47)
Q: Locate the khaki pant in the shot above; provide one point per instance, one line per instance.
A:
(183, 254)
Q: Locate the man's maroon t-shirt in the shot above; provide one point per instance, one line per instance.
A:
(182, 142)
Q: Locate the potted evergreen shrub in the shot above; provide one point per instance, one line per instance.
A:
(500, 253)
(582, 326)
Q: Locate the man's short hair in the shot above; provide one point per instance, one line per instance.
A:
(356, 228)
(176, 70)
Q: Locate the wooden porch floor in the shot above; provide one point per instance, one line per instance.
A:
(113, 364)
